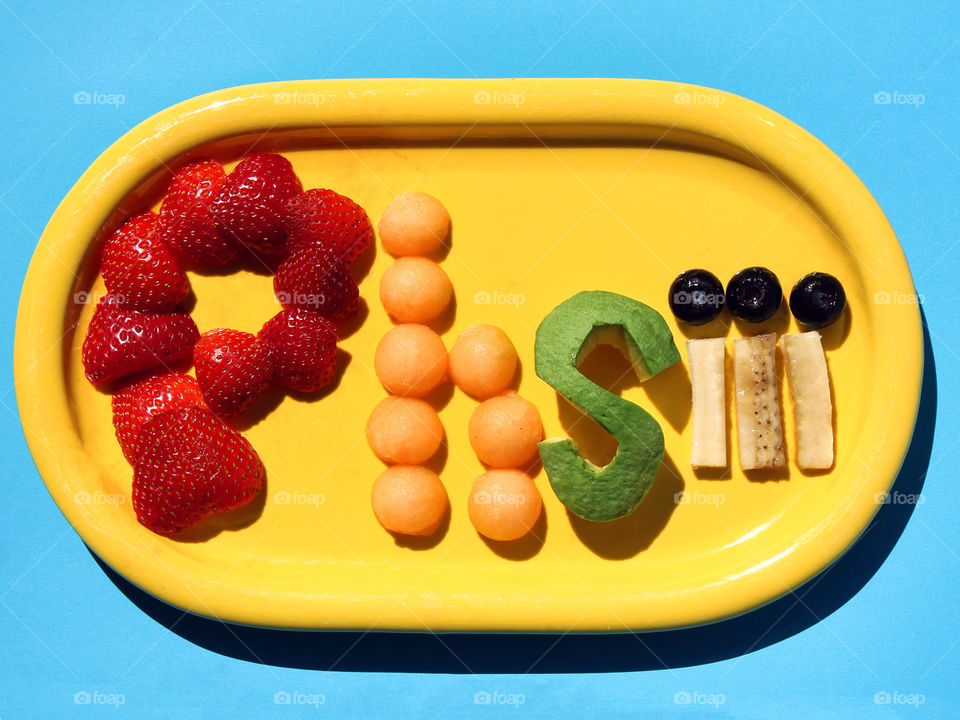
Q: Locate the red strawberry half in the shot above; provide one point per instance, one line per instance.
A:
(140, 270)
(186, 224)
(249, 205)
(314, 278)
(189, 465)
(139, 402)
(304, 348)
(233, 367)
(327, 219)
(122, 342)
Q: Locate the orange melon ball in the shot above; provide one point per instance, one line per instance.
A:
(409, 500)
(414, 224)
(504, 504)
(483, 361)
(404, 430)
(504, 431)
(415, 289)
(410, 360)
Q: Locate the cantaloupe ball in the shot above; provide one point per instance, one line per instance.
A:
(415, 289)
(504, 431)
(414, 224)
(410, 500)
(483, 361)
(504, 504)
(407, 431)
(410, 360)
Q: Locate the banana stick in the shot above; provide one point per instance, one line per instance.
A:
(706, 358)
(806, 371)
(759, 423)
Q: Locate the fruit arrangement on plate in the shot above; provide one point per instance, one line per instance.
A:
(189, 463)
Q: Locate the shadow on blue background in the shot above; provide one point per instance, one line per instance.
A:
(554, 653)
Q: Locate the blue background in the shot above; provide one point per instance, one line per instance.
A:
(883, 620)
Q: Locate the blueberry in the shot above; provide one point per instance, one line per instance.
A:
(754, 294)
(696, 297)
(817, 300)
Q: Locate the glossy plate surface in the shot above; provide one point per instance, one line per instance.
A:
(554, 186)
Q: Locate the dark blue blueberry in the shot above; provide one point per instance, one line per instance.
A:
(817, 300)
(696, 297)
(754, 294)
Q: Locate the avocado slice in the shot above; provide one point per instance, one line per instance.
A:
(564, 338)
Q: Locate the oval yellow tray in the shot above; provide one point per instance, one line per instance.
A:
(554, 186)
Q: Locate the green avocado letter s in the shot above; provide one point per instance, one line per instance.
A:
(565, 337)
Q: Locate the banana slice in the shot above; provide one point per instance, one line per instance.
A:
(706, 358)
(759, 417)
(806, 370)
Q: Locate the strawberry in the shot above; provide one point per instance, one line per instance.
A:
(186, 224)
(189, 465)
(327, 219)
(314, 278)
(304, 348)
(140, 270)
(233, 367)
(249, 205)
(140, 401)
(122, 342)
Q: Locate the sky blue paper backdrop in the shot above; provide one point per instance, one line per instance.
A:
(886, 650)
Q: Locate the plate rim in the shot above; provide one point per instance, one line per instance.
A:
(776, 141)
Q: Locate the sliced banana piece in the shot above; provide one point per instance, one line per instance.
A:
(706, 358)
(809, 382)
(759, 416)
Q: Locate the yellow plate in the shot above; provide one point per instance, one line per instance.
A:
(554, 186)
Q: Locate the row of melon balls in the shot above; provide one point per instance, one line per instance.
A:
(411, 362)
